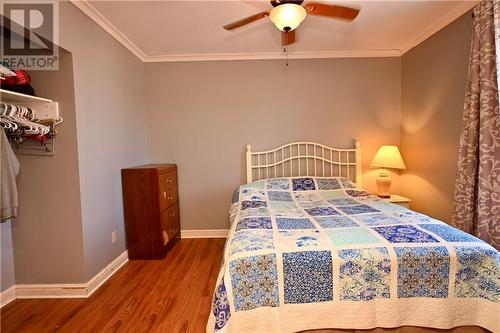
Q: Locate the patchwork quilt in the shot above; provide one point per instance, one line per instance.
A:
(312, 253)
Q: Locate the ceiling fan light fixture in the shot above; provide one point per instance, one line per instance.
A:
(288, 16)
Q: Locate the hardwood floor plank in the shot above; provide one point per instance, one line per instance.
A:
(169, 295)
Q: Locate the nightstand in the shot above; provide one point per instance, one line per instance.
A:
(399, 200)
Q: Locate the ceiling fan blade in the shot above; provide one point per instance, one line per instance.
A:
(287, 38)
(333, 11)
(245, 21)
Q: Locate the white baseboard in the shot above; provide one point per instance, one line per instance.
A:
(108, 271)
(7, 296)
(206, 233)
(71, 290)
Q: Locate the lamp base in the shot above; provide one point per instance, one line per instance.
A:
(383, 184)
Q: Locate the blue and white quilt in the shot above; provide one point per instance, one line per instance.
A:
(312, 253)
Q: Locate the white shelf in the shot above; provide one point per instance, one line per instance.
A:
(7, 96)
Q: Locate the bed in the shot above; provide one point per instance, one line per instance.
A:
(308, 249)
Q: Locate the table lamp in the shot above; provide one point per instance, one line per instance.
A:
(387, 157)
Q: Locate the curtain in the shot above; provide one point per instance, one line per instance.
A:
(477, 188)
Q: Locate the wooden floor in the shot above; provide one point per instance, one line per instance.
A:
(169, 295)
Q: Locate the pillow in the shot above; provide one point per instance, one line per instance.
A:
(335, 183)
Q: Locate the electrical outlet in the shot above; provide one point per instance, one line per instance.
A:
(114, 237)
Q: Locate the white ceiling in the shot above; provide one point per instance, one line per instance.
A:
(192, 30)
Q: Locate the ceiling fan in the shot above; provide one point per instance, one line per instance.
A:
(288, 14)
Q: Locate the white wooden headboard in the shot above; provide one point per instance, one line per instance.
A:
(304, 159)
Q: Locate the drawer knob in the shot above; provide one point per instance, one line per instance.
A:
(170, 197)
(169, 180)
(172, 214)
(164, 195)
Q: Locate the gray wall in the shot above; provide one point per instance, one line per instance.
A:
(47, 235)
(71, 203)
(433, 90)
(109, 95)
(201, 115)
(7, 275)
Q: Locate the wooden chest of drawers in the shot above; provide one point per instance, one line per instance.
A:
(151, 209)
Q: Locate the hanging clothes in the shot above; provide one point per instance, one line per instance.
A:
(10, 168)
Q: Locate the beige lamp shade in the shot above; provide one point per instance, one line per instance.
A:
(388, 157)
(288, 16)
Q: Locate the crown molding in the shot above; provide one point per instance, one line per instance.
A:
(103, 22)
(452, 15)
(275, 55)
